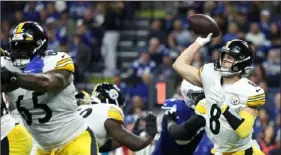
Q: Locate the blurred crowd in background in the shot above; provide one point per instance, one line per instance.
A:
(90, 31)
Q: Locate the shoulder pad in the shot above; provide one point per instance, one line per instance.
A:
(255, 96)
(50, 52)
(58, 61)
(169, 103)
(115, 113)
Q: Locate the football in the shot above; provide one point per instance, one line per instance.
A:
(202, 25)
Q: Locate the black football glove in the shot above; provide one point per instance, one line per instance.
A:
(7, 77)
(151, 125)
(136, 129)
(170, 115)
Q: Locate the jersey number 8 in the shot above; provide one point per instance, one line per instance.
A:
(214, 119)
(27, 115)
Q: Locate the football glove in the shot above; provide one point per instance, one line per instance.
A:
(203, 41)
(150, 125)
(170, 115)
(136, 129)
(7, 77)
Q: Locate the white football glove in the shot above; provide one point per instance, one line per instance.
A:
(203, 41)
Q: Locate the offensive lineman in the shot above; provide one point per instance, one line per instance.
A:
(14, 137)
(231, 100)
(106, 119)
(40, 84)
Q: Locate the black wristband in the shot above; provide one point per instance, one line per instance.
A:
(233, 121)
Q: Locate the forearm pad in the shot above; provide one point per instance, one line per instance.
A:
(242, 126)
(188, 129)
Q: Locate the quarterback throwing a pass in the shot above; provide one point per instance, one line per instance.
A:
(231, 100)
(39, 82)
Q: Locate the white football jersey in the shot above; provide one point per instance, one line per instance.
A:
(50, 117)
(95, 116)
(7, 122)
(238, 95)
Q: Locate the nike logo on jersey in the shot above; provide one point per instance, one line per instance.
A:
(257, 90)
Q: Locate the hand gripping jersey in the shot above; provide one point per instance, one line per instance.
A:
(238, 95)
(50, 117)
(7, 122)
(95, 116)
(166, 145)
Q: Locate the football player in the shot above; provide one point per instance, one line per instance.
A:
(39, 82)
(105, 117)
(82, 97)
(180, 116)
(231, 99)
(14, 137)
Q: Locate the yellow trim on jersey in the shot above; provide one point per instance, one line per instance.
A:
(201, 108)
(245, 128)
(63, 61)
(19, 27)
(256, 100)
(115, 114)
(200, 70)
(65, 64)
(69, 67)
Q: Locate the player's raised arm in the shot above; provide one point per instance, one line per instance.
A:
(182, 65)
(47, 82)
(118, 132)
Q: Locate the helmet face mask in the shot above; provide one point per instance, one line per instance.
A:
(28, 40)
(192, 94)
(194, 97)
(242, 54)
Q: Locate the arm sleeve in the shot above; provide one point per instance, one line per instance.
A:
(243, 125)
(188, 129)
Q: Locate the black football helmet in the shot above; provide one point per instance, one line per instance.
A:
(109, 93)
(242, 53)
(82, 97)
(28, 39)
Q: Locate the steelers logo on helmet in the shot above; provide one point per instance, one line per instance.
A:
(113, 94)
(109, 93)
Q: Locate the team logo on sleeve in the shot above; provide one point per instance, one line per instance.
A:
(235, 100)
